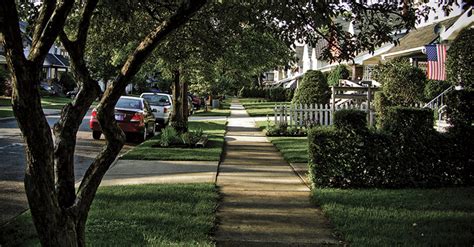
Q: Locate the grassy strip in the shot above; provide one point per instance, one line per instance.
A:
(213, 112)
(258, 109)
(214, 129)
(294, 149)
(138, 215)
(6, 112)
(410, 217)
(251, 100)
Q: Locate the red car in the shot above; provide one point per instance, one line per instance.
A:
(133, 115)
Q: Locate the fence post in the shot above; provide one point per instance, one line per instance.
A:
(275, 112)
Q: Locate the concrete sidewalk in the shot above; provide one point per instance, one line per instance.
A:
(264, 202)
(126, 172)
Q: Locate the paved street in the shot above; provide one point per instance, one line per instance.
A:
(12, 164)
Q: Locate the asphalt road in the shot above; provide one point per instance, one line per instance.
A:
(12, 163)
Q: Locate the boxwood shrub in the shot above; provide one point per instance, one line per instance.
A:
(351, 120)
(401, 156)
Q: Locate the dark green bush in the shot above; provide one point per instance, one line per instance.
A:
(344, 159)
(381, 104)
(276, 94)
(252, 92)
(312, 89)
(402, 83)
(352, 120)
(340, 72)
(460, 59)
(434, 88)
(289, 93)
(67, 81)
(460, 108)
(408, 121)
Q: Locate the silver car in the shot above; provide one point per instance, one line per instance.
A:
(162, 103)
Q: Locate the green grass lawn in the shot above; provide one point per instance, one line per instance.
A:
(138, 215)
(293, 149)
(5, 101)
(213, 112)
(215, 131)
(257, 109)
(409, 217)
(6, 112)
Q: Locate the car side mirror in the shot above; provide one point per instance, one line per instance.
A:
(153, 110)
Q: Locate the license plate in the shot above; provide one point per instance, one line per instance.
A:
(118, 117)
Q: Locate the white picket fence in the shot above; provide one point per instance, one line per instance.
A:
(318, 114)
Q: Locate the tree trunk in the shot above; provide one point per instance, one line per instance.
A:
(179, 116)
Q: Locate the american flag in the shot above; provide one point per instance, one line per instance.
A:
(436, 62)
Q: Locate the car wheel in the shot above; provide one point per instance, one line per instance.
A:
(96, 134)
(153, 132)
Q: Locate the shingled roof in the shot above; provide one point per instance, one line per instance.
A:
(421, 36)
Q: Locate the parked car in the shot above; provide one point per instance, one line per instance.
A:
(162, 105)
(134, 116)
(196, 101)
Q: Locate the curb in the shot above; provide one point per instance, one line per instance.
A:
(3, 119)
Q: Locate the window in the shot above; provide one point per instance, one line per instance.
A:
(269, 76)
(368, 70)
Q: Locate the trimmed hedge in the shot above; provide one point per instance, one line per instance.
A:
(340, 72)
(392, 158)
(460, 59)
(272, 94)
(408, 120)
(314, 88)
(351, 120)
(434, 88)
(460, 108)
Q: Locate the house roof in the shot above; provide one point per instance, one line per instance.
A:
(421, 36)
(55, 61)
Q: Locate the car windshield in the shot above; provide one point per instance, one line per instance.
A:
(129, 104)
(157, 100)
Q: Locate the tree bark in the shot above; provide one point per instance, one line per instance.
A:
(179, 116)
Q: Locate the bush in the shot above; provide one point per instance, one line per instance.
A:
(313, 89)
(67, 82)
(434, 88)
(168, 136)
(381, 104)
(252, 92)
(352, 120)
(289, 93)
(408, 121)
(402, 83)
(460, 108)
(344, 159)
(460, 59)
(276, 94)
(340, 72)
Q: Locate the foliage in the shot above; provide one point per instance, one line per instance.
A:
(402, 83)
(276, 94)
(434, 88)
(3, 80)
(351, 120)
(313, 89)
(408, 121)
(460, 59)
(168, 136)
(340, 72)
(67, 81)
(190, 138)
(289, 93)
(460, 108)
(408, 154)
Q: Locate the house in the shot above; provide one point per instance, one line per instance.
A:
(55, 63)
(437, 27)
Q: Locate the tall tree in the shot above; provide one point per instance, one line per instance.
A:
(59, 212)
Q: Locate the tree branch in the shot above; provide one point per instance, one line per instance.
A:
(43, 42)
(105, 110)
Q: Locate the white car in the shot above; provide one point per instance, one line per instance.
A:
(162, 103)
